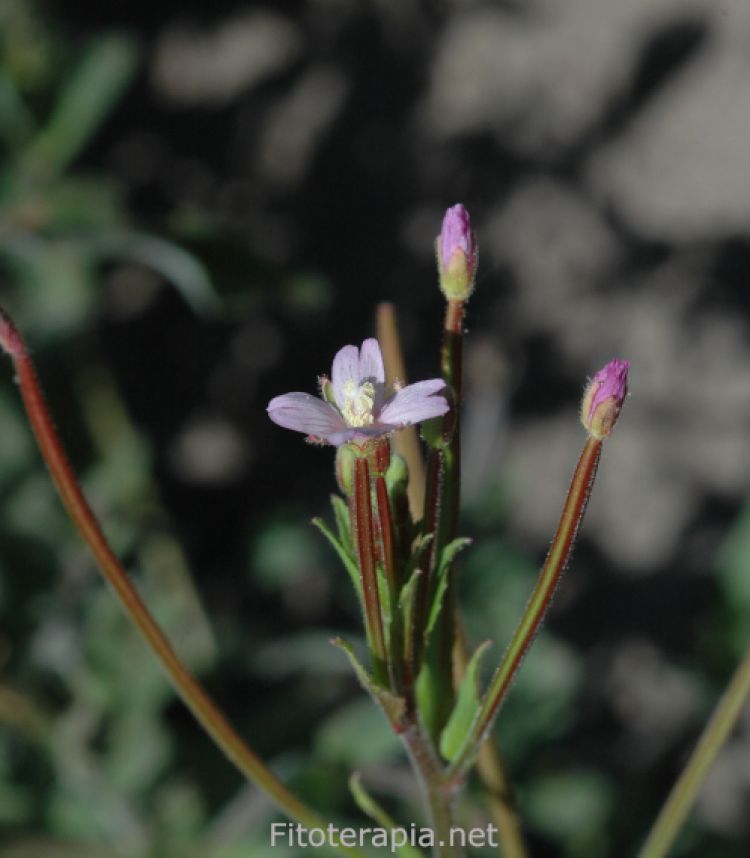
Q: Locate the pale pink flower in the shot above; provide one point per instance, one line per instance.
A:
(355, 406)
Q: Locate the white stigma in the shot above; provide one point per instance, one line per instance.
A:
(358, 402)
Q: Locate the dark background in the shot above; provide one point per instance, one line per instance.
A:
(198, 207)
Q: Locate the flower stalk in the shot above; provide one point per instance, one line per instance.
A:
(549, 577)
(456, 254)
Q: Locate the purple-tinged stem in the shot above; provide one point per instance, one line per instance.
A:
(363, 530)
(549, 577)
(381, 461)
(190, 690)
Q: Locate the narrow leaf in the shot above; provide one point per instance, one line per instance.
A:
(466, 708)
(183, 270)
(349, 563)
(407, 601)
(367, 804)
(446, 559)
(392, 705)
(343, 522)
(106, 68)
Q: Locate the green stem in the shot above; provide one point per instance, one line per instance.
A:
(549, 577)
(491, 769)
(438, 795)
(190, 690)
(677, 807)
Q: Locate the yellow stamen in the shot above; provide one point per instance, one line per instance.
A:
(358, 402)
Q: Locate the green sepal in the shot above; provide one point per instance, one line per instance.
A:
(350, 564)
(367, 804)
(392, 705)
(447, 556)
(465, 711)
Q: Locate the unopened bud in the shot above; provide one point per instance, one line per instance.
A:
(456, 254)
(603, 398)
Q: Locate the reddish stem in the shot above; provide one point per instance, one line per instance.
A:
(192, 693)
(549, 577)
(362, 521)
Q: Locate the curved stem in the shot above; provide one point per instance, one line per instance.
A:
(549, 577)
(677, 807)
(190, 690)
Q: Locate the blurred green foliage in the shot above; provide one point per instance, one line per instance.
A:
(57, 225)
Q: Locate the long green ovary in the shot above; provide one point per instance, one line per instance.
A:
(549, 577)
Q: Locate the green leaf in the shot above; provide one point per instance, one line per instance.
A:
(105, 70)
(406, 603)
(16, 121)
(446, 559)
(367, 804)
(349, 563)
(467, 705)
(416, 555)
(343, 523)
(392, 705)
(182, 269)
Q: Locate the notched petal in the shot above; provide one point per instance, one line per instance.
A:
(371, 362)
(345, 367)
(414, 403)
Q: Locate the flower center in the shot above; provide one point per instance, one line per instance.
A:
(358, 402)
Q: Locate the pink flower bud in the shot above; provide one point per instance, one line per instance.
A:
(457, 254)
(603, 398)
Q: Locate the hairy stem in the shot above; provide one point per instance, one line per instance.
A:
(189, 689)
(364, 538)
(549, 577)
(437, 795)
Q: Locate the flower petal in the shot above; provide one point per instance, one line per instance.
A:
(371, 362)
(305, 413)
(345, 368)
(415, 403)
